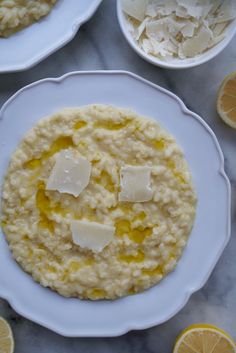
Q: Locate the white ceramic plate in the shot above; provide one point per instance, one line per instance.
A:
(73, 317)
(28, 47)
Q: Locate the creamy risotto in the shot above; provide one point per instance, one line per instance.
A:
(17, 14)
(149, 236)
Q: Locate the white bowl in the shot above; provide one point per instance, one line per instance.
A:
(176, 63)
(34, 43)
(210, 234)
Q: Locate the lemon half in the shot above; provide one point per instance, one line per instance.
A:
(204, 338)
(226, 102)
(6, 337)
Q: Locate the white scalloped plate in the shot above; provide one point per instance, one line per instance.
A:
(31, 45)
(211, 232)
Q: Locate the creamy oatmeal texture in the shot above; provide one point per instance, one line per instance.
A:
(18, 14)
(149, 236)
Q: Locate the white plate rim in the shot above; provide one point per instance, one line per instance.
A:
(4, 294)
(72, 30)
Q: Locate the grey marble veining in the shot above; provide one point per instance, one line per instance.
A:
(100, 45)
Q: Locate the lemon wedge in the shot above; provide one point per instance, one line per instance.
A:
(204, 338)
(6, 337)
(226, 102)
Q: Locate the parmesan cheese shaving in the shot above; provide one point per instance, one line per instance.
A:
(198, 44)
(135, 8)
(178, 29)
(135, 184)
(70, 174)
(91, 235)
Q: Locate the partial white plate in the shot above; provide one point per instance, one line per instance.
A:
(28, 47)
(211, 232)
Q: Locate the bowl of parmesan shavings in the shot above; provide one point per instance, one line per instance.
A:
(177, 34)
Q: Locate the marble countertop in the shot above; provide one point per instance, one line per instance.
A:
(100, 45)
